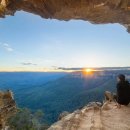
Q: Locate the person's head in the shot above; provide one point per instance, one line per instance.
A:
(121, 77)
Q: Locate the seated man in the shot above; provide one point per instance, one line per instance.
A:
(123, 90)
(122, 97)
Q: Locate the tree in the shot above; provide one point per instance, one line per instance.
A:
(25, 120)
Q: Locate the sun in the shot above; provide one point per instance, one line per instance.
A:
(88, 70)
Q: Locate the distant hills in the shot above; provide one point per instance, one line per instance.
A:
(18, 80)
(57, 92)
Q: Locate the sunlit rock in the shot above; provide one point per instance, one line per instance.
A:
(95, 11)
(7, 108)
(106, 117)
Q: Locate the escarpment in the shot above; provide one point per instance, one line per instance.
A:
(94, 11)
(95, 117)
(7, 108)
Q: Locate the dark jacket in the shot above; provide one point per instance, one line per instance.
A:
(123, 92)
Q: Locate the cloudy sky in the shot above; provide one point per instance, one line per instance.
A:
(30, 43)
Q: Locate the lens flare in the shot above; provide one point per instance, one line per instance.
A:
(88, 71)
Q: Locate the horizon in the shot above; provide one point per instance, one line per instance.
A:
(35, 44)
(69, 70)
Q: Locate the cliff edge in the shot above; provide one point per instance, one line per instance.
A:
(7, 108)
(96, 117)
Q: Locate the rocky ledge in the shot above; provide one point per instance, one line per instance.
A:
(96, 117)
(7, 108)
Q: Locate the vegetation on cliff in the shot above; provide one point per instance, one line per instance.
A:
(24, 119)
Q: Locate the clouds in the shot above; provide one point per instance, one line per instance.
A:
(28, 64)
(6, 47)
(72, 69)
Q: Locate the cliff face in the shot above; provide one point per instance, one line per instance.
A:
(95, 11)
(94, 117)
(7, 107)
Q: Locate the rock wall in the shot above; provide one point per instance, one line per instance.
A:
(95, 11)
(7, 107)
(94, 117)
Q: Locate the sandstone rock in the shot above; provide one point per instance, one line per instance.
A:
(7, 107)
(63, 114)
(95, 11)
(91, 118)
(94, 104)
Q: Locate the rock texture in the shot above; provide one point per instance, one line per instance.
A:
(95, 117)
(7, 108)
(95, 11)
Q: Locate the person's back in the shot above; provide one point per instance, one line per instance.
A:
(123, 91)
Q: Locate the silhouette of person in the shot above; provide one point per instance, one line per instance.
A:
(123, 91)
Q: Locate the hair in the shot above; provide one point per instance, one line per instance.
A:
(121, 77)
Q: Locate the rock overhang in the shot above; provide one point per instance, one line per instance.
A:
(94, 11)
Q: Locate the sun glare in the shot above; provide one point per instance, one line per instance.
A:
(88, 70)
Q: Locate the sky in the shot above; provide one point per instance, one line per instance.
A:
(31, 43)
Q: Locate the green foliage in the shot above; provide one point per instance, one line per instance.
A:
(24, 119)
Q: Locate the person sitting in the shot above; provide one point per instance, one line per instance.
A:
(122, 96)
(123, 90)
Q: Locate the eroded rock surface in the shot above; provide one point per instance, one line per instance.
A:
(7, 108)
(95, 117)
(95, 11)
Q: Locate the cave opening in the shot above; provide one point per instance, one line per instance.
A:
(42, 58)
